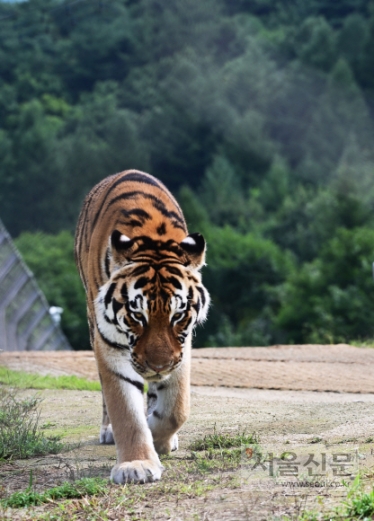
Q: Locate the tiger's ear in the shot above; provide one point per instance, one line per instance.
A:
(194, 246)
(121, 247)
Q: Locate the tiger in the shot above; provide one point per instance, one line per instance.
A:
(141, 272)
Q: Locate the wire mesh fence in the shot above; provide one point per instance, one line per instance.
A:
(26, 323)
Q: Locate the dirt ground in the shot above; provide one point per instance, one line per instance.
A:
(336, 368)
(303, 400)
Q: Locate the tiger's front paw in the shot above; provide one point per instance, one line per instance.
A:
(106, 435)
(138, 471)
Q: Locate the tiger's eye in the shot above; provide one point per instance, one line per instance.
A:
(177, 316)
(139, 316)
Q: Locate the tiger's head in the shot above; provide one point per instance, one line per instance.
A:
(152, 300)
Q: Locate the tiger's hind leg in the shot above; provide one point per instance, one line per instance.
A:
(169, 407)
(106, 431)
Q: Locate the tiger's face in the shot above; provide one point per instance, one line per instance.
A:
(152, 301)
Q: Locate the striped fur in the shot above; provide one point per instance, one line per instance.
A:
(140, 270)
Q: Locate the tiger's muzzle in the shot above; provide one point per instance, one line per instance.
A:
(157, 353)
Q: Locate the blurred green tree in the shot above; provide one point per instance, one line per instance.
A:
(330, 300)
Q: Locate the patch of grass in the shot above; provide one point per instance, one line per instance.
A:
(347, 440)
(20, 436)
(180, 481)
(316, 439)
(359, 503)
(68, 490)
(221, 452)
(34, 381)
(223, 441)
(194, 475)
(74, 432)
(362, 343)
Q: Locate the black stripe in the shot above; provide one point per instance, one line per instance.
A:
(135, 383)
(107, 259)
(140, 283)
(140, 270)
(157, 415)
(138, 177)
(115, 345)
(202, 293)
(138, 212)
(152, 395)
(116, 307)
(124, 292)
(197, 306)
(132, 222)
(159, 205)
(145, 243)
(174, 271)
(177, 222)
(175, 282)
(109, 294)
(161, 230)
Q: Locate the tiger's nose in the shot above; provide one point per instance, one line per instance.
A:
(159, 368)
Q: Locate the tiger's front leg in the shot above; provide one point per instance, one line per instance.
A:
(137, 460)
(169, 406)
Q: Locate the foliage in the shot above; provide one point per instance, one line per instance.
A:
(242, 272)
(223, 441)
(20, 436)
(359, 503)
(190, 476)
(81, 488)
(34, 381)
(259, 114)
(332, 297)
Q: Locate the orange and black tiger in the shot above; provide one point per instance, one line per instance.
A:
(140, 269)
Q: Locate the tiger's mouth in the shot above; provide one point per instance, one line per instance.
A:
(155, 373)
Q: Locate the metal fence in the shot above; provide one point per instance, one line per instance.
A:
(25, 321)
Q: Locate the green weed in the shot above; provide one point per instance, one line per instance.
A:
(217, 452)
(34, 381)
(68, 490)
(359, 503)
(20, 436)
(223, 441)
(316, 439)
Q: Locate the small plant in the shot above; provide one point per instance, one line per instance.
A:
(77, 489)
(223, 451)
(223, 441)
(316, 439)
(359, 504)
(20, 436)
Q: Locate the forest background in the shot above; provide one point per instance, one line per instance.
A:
(257, 114)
